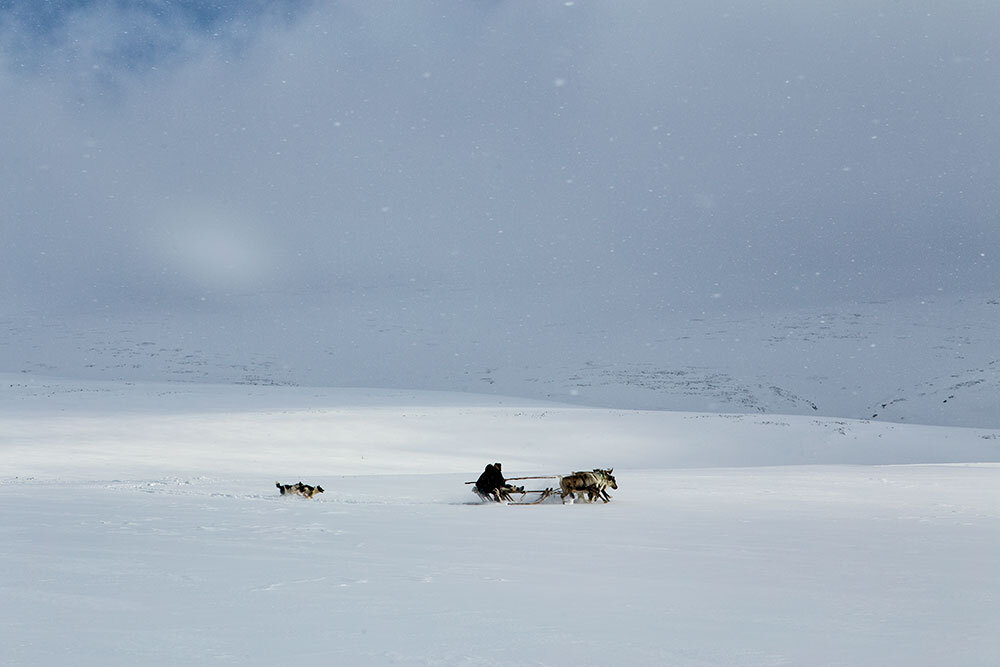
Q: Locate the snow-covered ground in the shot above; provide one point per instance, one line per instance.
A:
(141, 526)
(924, 361)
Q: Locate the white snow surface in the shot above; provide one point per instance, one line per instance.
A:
(141, 526)
(928, 361)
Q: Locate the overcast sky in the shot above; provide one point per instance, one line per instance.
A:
(743, 153)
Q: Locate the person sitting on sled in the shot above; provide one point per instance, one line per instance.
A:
(492, 485)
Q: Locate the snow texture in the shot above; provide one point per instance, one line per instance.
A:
(927, 361)
(142, 526)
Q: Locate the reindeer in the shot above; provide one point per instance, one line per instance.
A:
(594, 483)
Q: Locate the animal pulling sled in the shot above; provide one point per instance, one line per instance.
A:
(583, 485)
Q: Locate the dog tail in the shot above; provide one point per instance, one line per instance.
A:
(280, 487)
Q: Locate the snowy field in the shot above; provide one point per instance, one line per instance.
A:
(142, 526)
(923, 361)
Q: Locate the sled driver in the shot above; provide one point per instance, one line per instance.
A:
(491, 483)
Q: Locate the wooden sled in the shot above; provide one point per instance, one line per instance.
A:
(506, 493)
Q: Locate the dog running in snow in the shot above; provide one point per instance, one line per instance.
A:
(299, 489)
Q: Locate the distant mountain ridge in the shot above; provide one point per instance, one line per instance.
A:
(915, 361)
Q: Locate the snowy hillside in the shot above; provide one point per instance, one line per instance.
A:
(143, 527)
(921, 361)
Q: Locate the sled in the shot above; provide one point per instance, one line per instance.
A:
(585, 485)
(506, 493)
(543, 494)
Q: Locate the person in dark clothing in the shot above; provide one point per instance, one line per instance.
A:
(491, 483)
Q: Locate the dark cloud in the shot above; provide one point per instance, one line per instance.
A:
(743, 155)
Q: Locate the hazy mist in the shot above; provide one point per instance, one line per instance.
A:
(746, 154)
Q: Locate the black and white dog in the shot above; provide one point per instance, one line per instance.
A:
(299, 489)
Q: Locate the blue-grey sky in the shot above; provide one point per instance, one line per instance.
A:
(742, 154)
